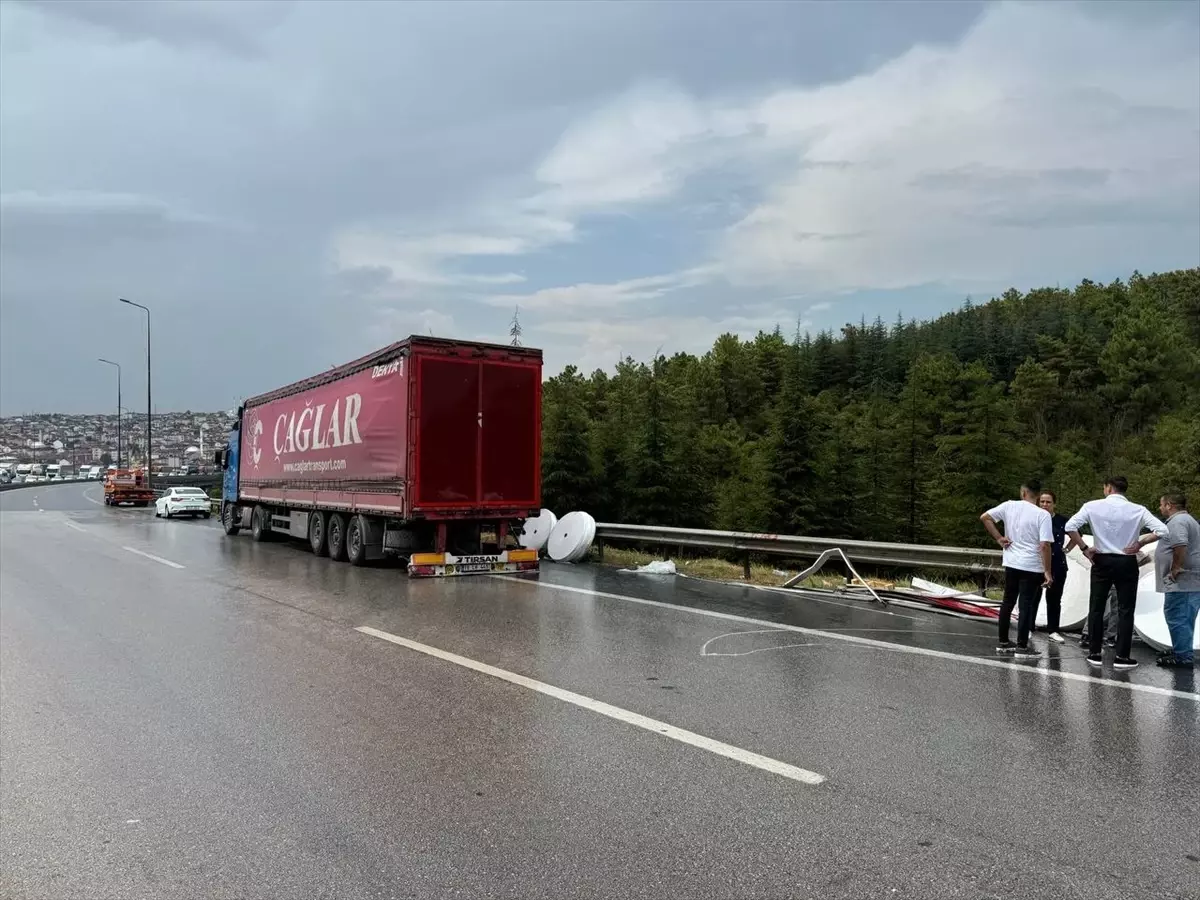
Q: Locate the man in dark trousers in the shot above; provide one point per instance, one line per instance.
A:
(1027, 536)
(1058, 566)
(1116, 525)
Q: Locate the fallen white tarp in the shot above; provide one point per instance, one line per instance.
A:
(940, 590)
(656, 567)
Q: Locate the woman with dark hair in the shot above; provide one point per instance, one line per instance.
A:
(1058, 566)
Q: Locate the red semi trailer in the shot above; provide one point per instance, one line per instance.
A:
(417, 450)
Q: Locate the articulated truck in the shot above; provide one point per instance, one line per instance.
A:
(427, 450)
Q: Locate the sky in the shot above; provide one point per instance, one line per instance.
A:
(289, 185)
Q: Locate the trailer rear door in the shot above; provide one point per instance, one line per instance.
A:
(448, 449)
(510, 453)
(478, 434)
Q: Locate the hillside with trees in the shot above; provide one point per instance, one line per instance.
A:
(900, 432)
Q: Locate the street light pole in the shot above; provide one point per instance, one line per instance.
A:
(118, 365)
(149, 407)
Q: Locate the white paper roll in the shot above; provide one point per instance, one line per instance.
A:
(536, 530)
(572, 537)
(1076, 594)
(1148, 619)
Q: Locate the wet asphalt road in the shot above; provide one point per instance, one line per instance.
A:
(221, 730)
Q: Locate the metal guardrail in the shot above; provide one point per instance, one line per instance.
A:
(203, 481)
(18, 485)
(873, 552)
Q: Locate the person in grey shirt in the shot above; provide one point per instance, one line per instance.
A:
(1177, 577)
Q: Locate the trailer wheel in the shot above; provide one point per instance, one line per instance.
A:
(356, 541)
(229, 518)
(336, 526)
(260, 524)
(317, 536)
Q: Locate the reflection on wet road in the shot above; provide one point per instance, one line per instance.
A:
(186, 714)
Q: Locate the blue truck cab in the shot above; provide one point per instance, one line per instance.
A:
(227, 459)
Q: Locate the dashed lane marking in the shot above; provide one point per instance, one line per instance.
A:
(747, 757)
(157, 559)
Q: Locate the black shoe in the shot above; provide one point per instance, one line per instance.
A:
(1110, 642)
(1083, 640)
(1095, 659)
(1124, 662)
(1025, 653)
(1171, 661)
(1006, 647)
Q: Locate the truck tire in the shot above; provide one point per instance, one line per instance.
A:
(230, 518)
(356, 541)
(260, 524)
(318, 537)
(336, 527)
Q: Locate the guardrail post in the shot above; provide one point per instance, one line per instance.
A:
(600, 550)
(746, 566)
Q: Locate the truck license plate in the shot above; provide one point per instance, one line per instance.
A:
(475, 567)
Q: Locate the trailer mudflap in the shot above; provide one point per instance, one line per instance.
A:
(433, 565)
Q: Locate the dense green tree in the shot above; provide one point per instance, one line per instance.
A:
(978, 452)
(1033, 391)
(902, 433)
(1147, 363)
(568, 482)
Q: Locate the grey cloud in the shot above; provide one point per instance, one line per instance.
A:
(233, 27)
(245, 136)
(1182, 211)
(44, 224)
(981, 178)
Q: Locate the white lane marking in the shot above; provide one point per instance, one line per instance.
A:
(613, 712)
(157, 559)
(867, 642)
(76, 527)
(90, 499)
(704, 651)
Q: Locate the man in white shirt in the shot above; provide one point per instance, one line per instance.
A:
(1028, 535)
(1116, 525)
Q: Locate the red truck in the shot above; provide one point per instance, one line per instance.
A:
(428, 449)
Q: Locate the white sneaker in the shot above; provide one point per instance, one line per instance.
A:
(1056, 637)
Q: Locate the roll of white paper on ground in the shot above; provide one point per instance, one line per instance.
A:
(1148, 619)
(1076, 592)
(571, 537)
(536, 530)
(585, 545)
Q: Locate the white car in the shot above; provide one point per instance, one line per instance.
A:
(183, 501)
